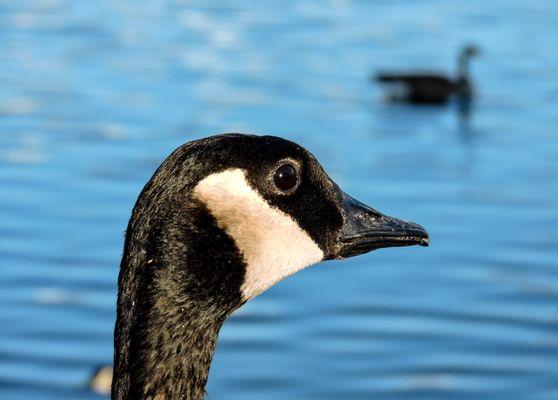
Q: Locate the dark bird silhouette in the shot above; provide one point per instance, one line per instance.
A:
(432, 88)
(222, 220)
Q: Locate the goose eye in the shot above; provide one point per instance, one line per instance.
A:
(285, 177)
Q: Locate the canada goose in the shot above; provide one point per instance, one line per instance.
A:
(432, 88)
(221, 220)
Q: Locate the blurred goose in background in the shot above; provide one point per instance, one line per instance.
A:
(431, 88)
(222, 220)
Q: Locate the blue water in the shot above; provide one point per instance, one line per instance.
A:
(94, 95)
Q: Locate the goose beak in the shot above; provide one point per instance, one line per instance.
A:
(365, 229)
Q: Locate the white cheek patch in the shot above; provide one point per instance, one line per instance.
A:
(272, 243)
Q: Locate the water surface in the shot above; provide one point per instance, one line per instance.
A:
(94, 95)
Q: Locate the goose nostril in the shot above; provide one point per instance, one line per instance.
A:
(370, 212)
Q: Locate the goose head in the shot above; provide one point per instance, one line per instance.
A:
(222, 220)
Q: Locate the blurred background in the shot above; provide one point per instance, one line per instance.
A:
(94, 95)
